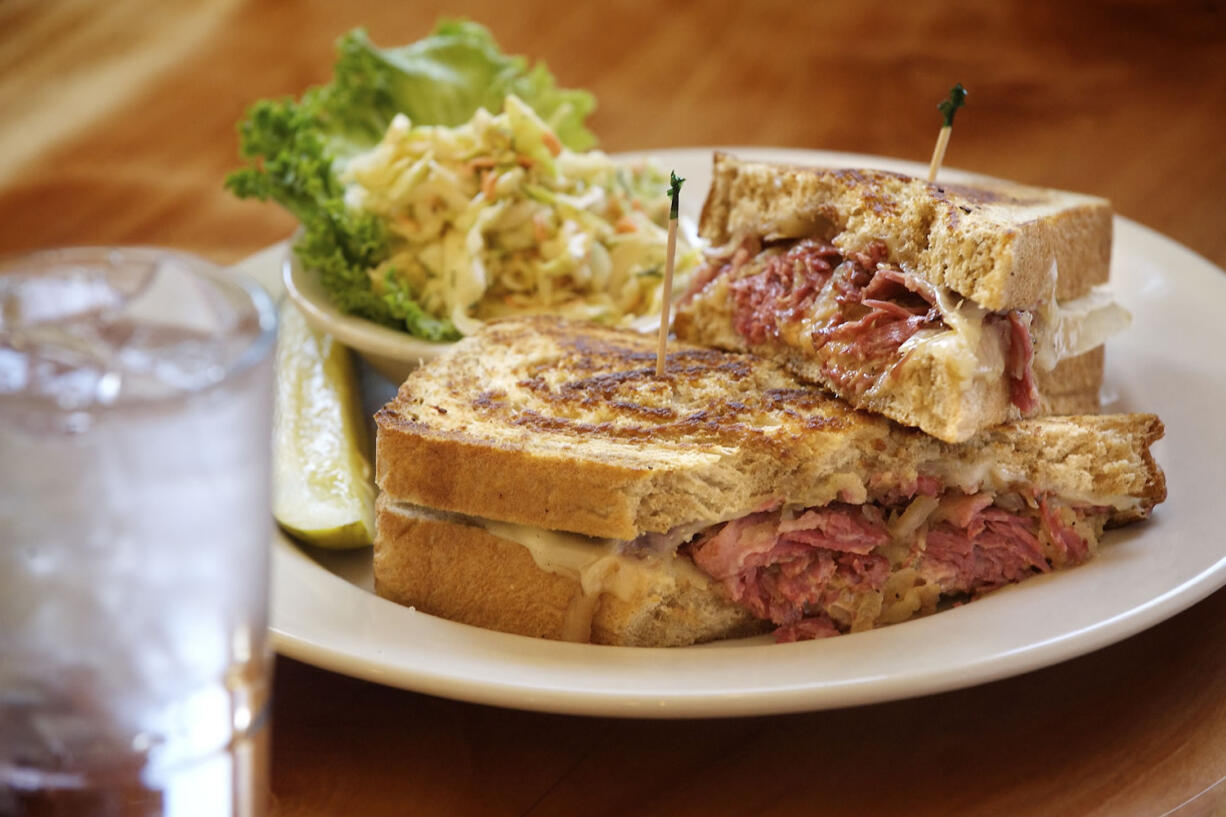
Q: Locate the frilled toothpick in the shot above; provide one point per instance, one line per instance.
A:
(947, 107)
(674, 190)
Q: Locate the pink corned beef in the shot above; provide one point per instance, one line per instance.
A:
(786, 286)
(876, 336)
(780, 569)
(880, 308)
(898, 305)
(981, 547)
(791, 569)
(1023, 390)
(996, 548)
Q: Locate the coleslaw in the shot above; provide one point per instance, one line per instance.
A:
(497, 217)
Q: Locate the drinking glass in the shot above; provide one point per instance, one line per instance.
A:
(135, 413)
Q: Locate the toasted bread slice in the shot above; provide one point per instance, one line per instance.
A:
(565, 427)
(536, 426)
(449, 566)
(993, 243)
(1074, 385)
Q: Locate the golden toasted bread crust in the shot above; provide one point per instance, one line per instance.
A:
(453, 571)
(1073, 386)
(451, 568)
(993, 243)
(541, 422)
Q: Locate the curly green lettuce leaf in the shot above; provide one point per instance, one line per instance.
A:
(443, 80)
(296, 148)
(295, 170)
(399, 300)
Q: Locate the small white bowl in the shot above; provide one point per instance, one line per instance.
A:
(390, 352)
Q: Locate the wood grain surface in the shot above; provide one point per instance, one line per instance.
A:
(118, 127)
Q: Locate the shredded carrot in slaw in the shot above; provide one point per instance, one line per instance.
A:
(488, 180)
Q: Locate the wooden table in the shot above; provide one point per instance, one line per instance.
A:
(118, 128)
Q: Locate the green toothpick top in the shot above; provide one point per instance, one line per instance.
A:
(674, 190)
(949, 107)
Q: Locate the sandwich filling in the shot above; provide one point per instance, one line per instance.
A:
(816, 572)
(862, 317)
(841, 567)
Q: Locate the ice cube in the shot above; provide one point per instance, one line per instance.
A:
(178, 296)
(159, 360)
(66, 363)
(14, 370)
(78, 388)
(27, 300)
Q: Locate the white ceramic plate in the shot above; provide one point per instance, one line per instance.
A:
(1169, 362)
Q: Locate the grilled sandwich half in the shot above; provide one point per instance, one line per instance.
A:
(948, 308)
(541, 480)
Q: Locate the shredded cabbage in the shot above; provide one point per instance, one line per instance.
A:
(497, 217)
